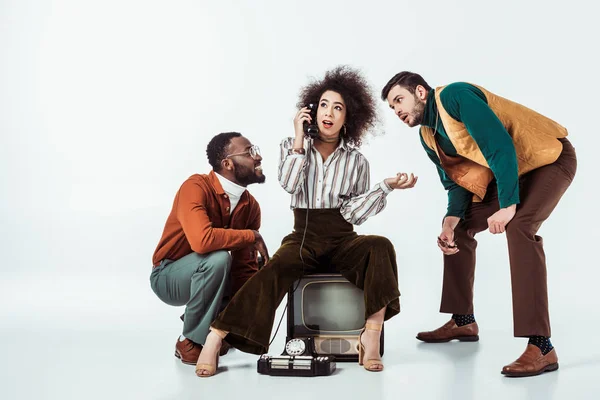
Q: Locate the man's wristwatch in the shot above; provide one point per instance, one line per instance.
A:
(296, 151)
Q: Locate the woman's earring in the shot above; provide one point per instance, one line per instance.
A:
(344, 126)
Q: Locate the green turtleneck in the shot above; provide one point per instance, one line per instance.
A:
(467, 104)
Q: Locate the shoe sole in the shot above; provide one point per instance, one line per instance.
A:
(547, 368)
(182, 360)
(474, 338)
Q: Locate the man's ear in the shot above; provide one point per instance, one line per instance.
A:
(421, 92)
(227, 164)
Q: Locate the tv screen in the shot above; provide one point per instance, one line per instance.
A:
(331, 305)
(329, 309)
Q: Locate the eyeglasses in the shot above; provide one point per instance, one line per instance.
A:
(253, 151)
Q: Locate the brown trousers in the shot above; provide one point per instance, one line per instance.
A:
(330, 245)
(540, 191)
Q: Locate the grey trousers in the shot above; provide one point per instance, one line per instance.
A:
(201, 283)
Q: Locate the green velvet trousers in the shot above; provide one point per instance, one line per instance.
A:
(330, 245)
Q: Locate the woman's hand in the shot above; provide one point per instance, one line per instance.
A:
(302, 115)
(402, 181)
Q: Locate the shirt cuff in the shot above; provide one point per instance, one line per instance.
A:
(455, 214)
(508, 202)
(386, 189)
(249, 236)
(295, 156)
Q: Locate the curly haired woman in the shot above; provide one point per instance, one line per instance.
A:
(328, 179)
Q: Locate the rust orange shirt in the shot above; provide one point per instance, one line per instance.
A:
(200, 222)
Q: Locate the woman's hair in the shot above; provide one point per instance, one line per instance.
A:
(361, 110)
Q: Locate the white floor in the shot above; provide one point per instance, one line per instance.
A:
(85, 341)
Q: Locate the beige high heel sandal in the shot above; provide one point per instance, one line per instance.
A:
(211, 369)
(368, 364)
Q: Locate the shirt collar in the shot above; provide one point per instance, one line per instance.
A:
(215, 183)
(343, 145)
(233, 189)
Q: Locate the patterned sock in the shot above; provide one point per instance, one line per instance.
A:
(463, 319)
(542, 342)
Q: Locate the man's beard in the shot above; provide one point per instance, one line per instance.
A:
(246, 176)
(417, 112)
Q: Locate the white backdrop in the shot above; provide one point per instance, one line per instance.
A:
(107, 107)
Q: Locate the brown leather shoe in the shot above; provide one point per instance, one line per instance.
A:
(532, 362)
(450, 331)
(187, 351)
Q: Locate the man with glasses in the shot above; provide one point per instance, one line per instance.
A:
(208, 247)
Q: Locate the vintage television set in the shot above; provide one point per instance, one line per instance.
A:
(327, 312)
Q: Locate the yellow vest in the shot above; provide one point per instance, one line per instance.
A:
(535, 138)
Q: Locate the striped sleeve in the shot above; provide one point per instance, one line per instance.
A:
(364, 203)
(291, 167)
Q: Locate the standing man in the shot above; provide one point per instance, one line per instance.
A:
(207, 249)
(505, 168)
